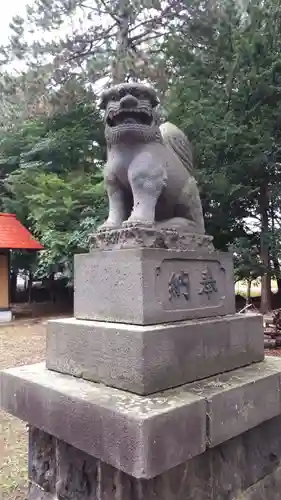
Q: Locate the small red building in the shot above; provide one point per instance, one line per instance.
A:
(13, 236)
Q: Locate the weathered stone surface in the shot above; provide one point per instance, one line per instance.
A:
(234, 402)
(148, 237)
(36, 493)
(147, 359)
(113, 484)
(82, 477)
(149, 286)
(130, 432)
(133, 433)
(77, 473)
(42, 459)
(244, 460)
(245, 468)
(266, 489)
(262, 450)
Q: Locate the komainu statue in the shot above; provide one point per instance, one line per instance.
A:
(149, 172)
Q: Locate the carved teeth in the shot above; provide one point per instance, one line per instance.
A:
(128, 116)
(120, 112)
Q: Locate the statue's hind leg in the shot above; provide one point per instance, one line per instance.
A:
(189, 206)
(178, 223)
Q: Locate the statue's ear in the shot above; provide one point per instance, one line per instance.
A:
(103, 103)
(103, 100)
(154, 101)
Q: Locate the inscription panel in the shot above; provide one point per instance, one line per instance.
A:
(179, 285)
(190, 284)
(150, 286)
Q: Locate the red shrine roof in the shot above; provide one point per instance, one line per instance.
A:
(14, 236)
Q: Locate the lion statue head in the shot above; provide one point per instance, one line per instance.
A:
(130, 114)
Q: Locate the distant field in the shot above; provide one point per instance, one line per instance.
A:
(241, 288)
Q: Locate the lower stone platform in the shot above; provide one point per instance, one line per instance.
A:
(147, 359)
(245, 468)
(147, 436)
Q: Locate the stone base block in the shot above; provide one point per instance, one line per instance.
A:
(144, 436)
(244, 468)
(147, 359)
(265, 489)
(37, 493)
(149, 286)
(138, 236)
(130, 432)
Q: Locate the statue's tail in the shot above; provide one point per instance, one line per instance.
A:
(177, 141)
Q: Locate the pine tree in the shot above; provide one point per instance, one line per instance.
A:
(226, 94)
(89, 40)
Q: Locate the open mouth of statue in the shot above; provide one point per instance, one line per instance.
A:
(129, 117)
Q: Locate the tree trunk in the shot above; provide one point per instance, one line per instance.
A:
(30, 282)
(265, 305)
(51, 281)
(13, 286)
(273, 254)
(248, 297)
(276, 265)
(277, 273)
(119, 67)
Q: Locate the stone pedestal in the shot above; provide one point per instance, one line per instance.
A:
(216, 439)
(156, 389)
(151, 286)
(246, 468)
(147, 359)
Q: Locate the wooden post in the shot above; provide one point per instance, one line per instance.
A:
(5, 312)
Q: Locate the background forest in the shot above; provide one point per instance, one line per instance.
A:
(217, 68)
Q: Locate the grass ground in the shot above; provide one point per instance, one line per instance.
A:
(241, 288)
(22, 343)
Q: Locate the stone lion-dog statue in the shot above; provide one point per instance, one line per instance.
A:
(149, 171)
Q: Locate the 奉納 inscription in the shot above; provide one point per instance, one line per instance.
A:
(209, 284)
(179, 286)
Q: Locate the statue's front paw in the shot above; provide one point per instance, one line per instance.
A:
(132, 222)
(109, 224)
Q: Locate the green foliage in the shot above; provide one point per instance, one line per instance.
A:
(64, 211)
(226, 94)
(218, 63)
(247, 263)
(52, 179)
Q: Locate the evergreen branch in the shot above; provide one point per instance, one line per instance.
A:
(110, 12)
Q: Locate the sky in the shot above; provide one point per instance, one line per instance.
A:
(12, 7)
